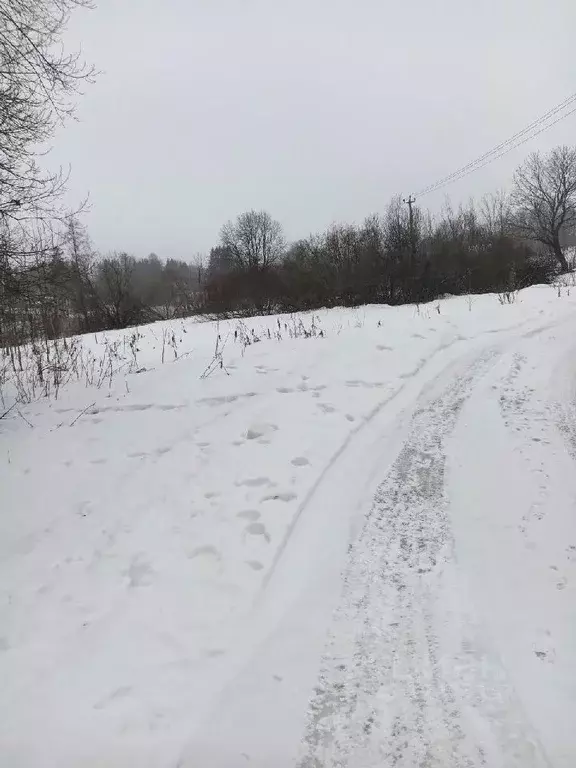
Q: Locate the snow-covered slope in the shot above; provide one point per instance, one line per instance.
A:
(356, 547)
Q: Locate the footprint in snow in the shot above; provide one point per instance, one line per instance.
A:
(140, 573)
(285, 496)
(255, 482)
(256, 431)
(207, 551)
(562, 583)
(258, 529)
(206, 561)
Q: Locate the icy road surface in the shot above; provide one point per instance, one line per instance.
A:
(355, 550)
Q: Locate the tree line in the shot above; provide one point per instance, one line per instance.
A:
(63, 287)
(54, 285)
(508, 241)
(53, 282)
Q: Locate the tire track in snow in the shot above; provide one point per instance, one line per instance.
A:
(332, 464)
(565, 410)
(407, 678)
(343, 448)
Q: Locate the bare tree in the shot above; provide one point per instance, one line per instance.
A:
(496, 213)
(544, 199)
(81, 255)
(255, 240)
(397, 235)
(38, 80)
(115, 285)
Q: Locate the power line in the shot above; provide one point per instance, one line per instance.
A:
(567, 102)
(509, 149)
(504, 152)
(541, 124)
(507, 145)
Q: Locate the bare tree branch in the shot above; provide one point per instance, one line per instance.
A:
(544, 199)
(38, 82)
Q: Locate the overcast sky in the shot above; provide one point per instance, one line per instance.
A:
(316, 110)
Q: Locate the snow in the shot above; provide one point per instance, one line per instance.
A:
(350, 548)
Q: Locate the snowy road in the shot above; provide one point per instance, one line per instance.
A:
(403, 594)
(409, 677)
(444, 649)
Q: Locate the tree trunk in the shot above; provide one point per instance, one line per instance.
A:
(561, 259)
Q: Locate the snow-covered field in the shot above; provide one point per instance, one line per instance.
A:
(354, 549)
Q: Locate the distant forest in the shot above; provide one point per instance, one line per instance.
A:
(54, 283)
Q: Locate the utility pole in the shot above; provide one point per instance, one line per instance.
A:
(410, 202)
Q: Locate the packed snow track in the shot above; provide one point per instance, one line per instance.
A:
(370, 562)
(409, 678)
